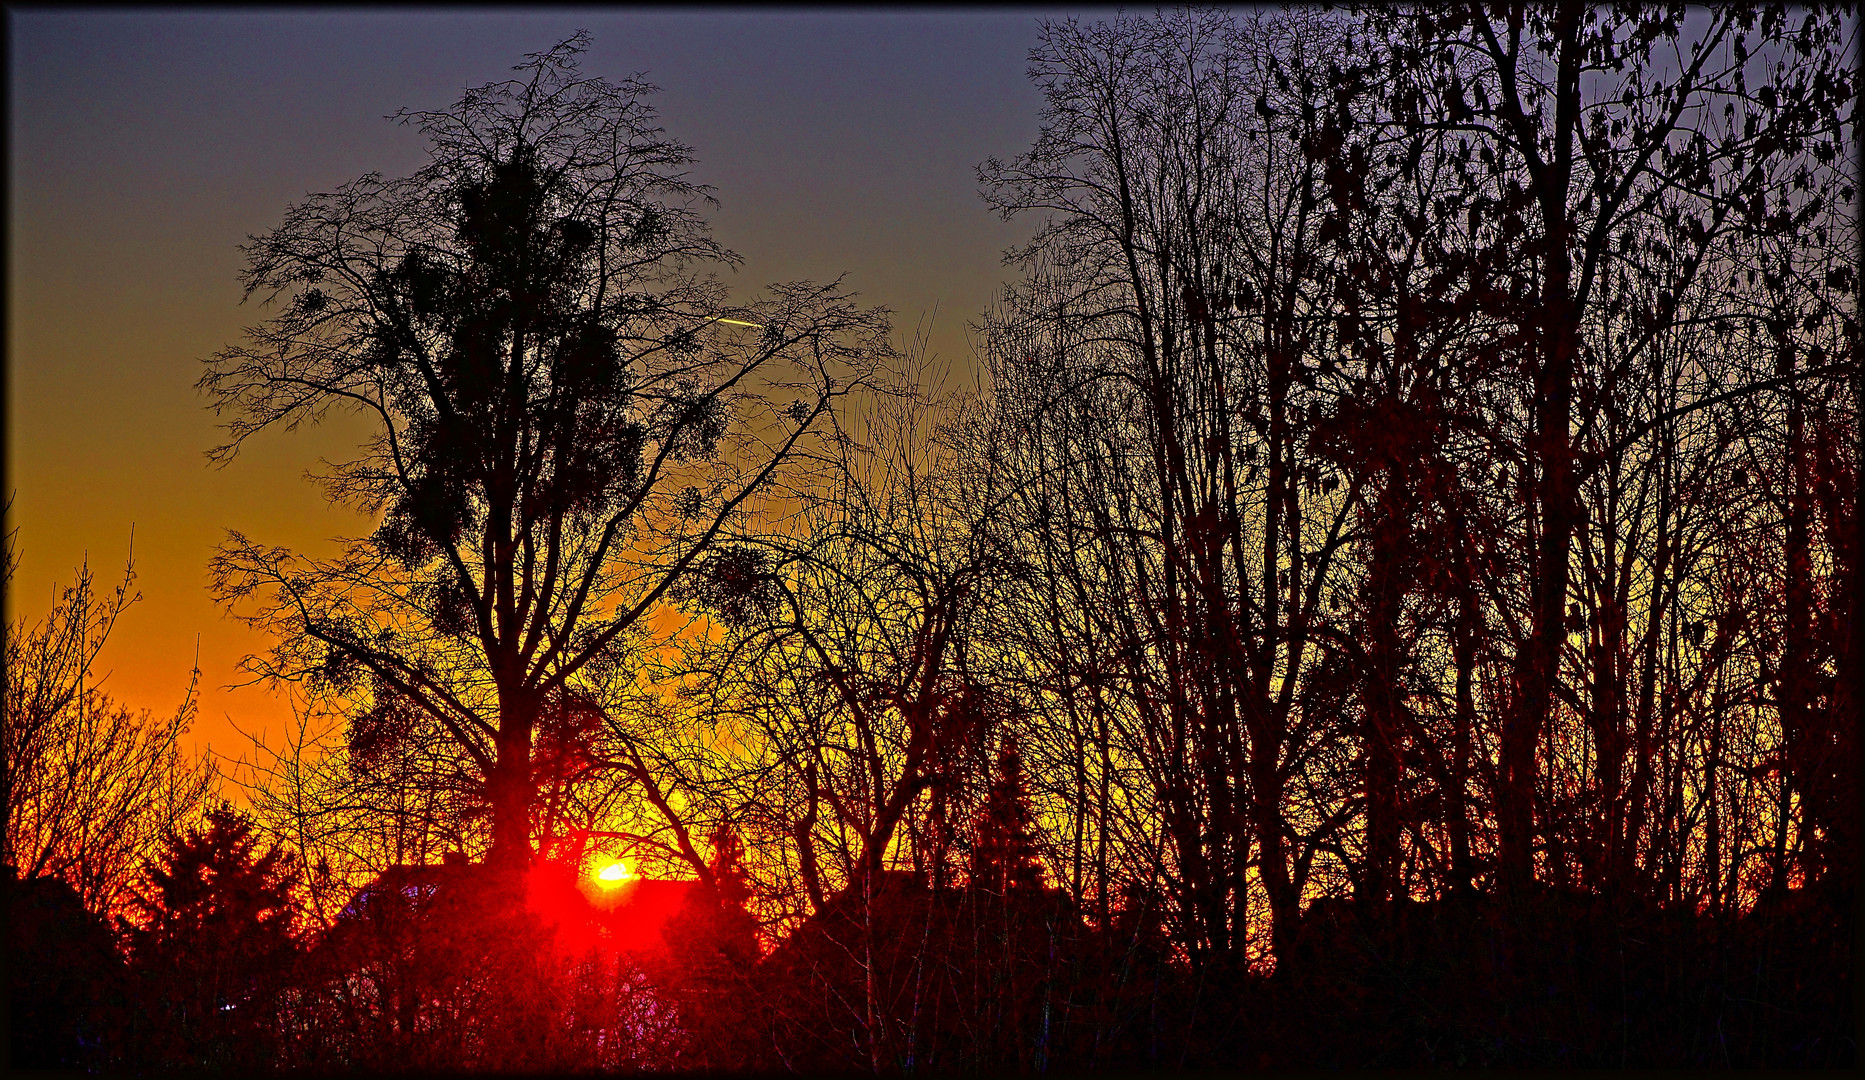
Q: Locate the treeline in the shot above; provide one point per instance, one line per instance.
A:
(1390, 603)
(1428, 447)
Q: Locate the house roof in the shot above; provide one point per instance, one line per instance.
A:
(635, 912)
(629, 916)
(413, 883)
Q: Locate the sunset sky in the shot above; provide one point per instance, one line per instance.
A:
(145, 146)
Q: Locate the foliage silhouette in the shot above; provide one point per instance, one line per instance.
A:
(567, 412)
(210, 945)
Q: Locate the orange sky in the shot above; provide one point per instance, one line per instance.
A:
(146, 145)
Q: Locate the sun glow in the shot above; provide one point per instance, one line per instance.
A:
(613, 874)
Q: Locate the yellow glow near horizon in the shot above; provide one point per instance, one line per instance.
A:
(613, 874)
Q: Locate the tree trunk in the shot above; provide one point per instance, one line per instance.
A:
(1539, 665)
(512, 787)
(1381, 726)
(1795, 691)
(1456, 811)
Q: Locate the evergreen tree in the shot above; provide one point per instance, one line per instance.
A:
(210, 943)
(1004, 854)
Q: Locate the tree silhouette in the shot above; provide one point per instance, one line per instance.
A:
(1617, 150)
(1003, 853)
(210, 943)
(88, 786)
(1161, 364)
(566, 411)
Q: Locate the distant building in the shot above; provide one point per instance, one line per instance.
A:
(423, 953)
(412, 886)
(628, 916)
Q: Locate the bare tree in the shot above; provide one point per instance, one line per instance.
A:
(1596, 130)
(1172, 337)
(91, 787)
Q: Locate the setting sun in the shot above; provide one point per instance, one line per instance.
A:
(613, 874)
